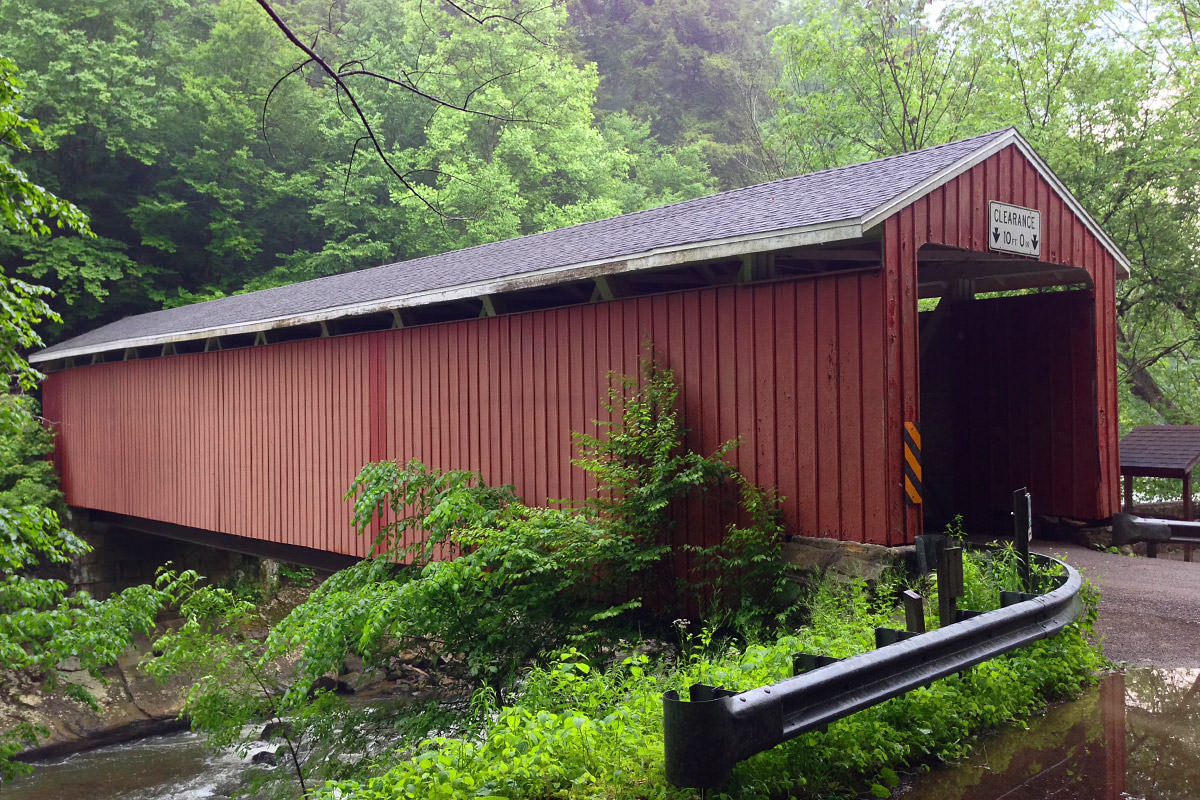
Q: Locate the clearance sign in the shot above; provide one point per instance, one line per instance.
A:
(1014, 229)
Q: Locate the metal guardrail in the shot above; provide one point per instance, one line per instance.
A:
(714, 729)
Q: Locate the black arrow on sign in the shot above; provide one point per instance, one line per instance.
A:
(995, 235)
(1035, 243)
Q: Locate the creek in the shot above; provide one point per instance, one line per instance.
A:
(1134, 736)
(173, 767)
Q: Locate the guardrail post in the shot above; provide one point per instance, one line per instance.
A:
(950, 584)
(929, 547)
(1022, 533)
(699, 740)
(914, 611)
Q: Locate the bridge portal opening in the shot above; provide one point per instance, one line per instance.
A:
(1008, 389)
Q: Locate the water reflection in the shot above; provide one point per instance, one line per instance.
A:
(1134, 736)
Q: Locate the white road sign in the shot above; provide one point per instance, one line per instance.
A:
(1014, 229)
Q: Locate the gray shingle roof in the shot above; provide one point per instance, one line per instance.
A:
(846, 194)
(1167, 450)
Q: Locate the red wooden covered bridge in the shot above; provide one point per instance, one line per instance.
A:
(788, 310)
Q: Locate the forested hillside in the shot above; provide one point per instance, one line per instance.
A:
(212, 156)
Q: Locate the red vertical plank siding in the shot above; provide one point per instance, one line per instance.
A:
(876, 493)
(807, 511)
(264, 441)
(785, 389)
(828, 463)
(539, 345)
(747, 386)
(765, 366)
(474, 393)
(850, 415)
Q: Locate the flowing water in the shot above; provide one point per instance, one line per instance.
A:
(1136, 736)
(173, 767)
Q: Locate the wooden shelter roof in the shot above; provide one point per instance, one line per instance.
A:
(1163, 451)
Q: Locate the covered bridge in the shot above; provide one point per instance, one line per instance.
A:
(789, 311)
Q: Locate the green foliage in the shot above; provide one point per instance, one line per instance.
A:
(25, 207)
(26, 210)
(232, 685)
(417, 509)
(741, 581)
(12, 742)
(209, 163)
(297, 575)
(583, 731)
(641, 466)
(523, 581)
(695, 71)
(868, 80)
(40, 624)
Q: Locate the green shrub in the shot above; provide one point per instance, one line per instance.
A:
(641, 467)
(523, 584)
(580, 731)
(741, 581)
(417, 509)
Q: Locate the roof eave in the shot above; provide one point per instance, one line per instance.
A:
(823, 233)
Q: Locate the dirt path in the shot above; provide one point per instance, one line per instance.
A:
(1149, 607)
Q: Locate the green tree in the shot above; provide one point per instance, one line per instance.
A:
(500, 140)
(92, 80)
(40, 623)
(213, 153)
(697, 71)
(154, 123)
(29, 210)
(861, 81)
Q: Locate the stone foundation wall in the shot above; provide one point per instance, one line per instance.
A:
(816, 556)
(123, 558)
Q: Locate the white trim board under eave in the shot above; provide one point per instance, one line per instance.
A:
(821, 233)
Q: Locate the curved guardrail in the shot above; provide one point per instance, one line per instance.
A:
(714, 729)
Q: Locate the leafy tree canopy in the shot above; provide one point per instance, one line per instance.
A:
(212, 158)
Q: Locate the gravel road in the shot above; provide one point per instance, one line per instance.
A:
(1149, 607)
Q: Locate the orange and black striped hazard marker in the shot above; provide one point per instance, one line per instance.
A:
(912, 462)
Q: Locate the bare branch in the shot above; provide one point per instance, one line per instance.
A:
(267, 101)
(517, 20)
(409, 87)
(349, 105)
(362, 117)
